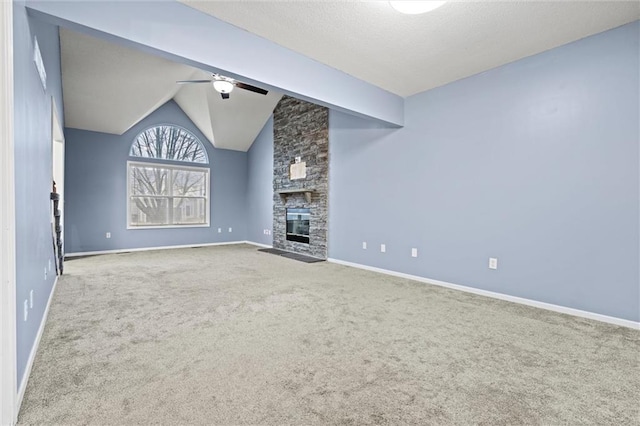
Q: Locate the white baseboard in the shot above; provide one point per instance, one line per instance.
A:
(34, 349)
(548, 306)
(253, 243)
(126, 250)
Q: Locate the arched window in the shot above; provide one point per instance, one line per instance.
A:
(163, 193)
(168, 142)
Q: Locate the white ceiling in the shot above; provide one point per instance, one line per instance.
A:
(407, 54)
(109, 88)
(234, 123)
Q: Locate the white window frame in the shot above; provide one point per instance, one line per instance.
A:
(204, 168)
(142, 158)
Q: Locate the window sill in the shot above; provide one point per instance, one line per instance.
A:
(129, 227)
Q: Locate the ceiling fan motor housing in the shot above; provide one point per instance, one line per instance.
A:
(223, 86)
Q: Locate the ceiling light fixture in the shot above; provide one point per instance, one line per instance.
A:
(223, 86)
(415, 7)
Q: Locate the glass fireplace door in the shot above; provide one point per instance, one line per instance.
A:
(298, 225)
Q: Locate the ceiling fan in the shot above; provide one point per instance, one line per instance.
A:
(224, 85)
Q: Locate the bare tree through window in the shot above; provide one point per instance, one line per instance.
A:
(169, 143)
(164, 194)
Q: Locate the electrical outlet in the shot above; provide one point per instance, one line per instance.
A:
(230, 229)
(45, 273)
(364, 245)
(414, 252)
(26, 309)
(31, 299)
(383, 248)
(219, 230)
(108, 235)
(493, 263)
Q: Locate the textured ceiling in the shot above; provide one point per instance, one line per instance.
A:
(109, 88)
(407, 54)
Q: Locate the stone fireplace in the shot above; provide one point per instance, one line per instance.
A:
(300, 177)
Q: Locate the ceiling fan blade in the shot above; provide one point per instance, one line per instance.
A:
(251, 88)
(193, 81)
(224, 95)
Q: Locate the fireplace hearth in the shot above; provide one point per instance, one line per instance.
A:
(298, 225)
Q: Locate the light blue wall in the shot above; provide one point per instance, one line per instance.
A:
(96, 191)
(535, 163)
(33, 173)
(260, 186)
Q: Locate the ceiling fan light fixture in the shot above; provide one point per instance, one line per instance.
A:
(223, 86)
(416, 7)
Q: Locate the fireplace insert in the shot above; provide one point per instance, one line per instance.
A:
(298, 225)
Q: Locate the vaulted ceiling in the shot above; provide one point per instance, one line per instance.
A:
(109, 88)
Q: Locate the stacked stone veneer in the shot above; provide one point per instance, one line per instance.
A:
(301, 129)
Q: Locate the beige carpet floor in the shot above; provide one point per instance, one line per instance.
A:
(229, 335)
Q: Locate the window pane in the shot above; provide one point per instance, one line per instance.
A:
(148, 211)
(148, 180)
(189, 211)
(169, 143)
(189, 182)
